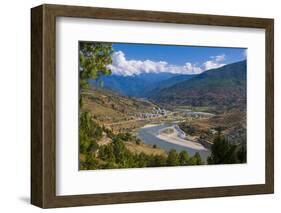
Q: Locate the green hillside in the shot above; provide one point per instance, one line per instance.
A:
(225, 86)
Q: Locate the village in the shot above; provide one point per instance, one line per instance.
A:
(156, 112)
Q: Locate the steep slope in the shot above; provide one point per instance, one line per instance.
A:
(109, 107)
(170, 82)
(225, 86)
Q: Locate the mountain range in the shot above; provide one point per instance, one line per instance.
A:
(141, 85)
(222, 86)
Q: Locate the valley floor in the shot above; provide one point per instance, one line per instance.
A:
(156, 131)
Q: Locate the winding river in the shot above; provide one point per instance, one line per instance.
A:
(150, 134)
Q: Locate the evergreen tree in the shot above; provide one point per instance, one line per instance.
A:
(90, 162)
(89, 133)
(183, 158)
(94, 58)
(158, 160)
(195, 159)
(198, 159)
(173, 158)
(106, 153)
(119, 151)
(222, 151)
(242, 154)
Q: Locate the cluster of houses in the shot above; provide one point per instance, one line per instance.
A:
(198, 114)
(156, 112)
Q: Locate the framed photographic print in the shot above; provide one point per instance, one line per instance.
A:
(136, 106)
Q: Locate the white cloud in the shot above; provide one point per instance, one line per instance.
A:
(212, 65)
(218, 58)
(121, 66)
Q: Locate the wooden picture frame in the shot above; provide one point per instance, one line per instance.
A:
(43, 105)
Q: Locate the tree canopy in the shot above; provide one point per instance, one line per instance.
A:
(225, 153)
(94, 58)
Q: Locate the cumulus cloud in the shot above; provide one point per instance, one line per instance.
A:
(121, 66)
(215, 62)
(212, 65)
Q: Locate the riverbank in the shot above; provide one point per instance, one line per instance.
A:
(174, 137)
(150, 134)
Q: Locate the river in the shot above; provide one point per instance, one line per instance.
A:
(150, 135)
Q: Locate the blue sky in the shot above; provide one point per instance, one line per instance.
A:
(133, 59)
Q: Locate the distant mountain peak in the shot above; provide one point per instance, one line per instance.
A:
(138, 85)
